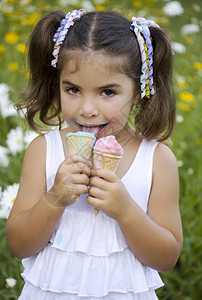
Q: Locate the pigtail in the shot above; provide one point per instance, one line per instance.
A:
(42, 93)
(155, 117)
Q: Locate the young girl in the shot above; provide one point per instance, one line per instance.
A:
(92, 69)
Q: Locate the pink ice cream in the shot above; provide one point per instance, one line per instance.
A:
(108, 144)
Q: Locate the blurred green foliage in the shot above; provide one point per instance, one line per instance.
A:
(18, 18)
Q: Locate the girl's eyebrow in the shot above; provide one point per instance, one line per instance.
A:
(107, 86)
(69, 83)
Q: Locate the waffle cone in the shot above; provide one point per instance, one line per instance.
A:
(80, 145)
(105, 160)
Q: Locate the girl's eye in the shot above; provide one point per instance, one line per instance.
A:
(73, 91)
(108, 93)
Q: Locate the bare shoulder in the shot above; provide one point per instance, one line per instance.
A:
(165, 172)
(164, 158)
(32, 179)
(34, 156)
(37, 145)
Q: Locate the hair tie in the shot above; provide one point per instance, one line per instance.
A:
(62, 31)
(140, 27)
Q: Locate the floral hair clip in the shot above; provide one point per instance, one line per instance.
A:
(62, 31)
(140, 27)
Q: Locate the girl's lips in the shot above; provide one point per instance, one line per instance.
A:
(95, 129)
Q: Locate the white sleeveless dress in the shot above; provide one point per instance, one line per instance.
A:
(87, 256)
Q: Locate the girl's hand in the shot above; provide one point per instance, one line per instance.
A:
(72, 179)
(108, 193)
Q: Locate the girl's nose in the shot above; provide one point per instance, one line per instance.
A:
(88, 108)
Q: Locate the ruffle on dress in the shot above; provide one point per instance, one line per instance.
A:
(87, 233)
(89, 275)
(30, 292)
(98, 262)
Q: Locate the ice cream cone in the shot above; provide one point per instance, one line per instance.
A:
(80, 143)
(105, 160)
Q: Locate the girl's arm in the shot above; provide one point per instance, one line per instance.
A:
(154, 238)
(33, 219)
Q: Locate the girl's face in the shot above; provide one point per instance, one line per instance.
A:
(93, 97)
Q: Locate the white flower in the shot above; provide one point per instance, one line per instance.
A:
(190, 171)
(15, 140)
(5, 7)
(196, 7)
(190, 28)
(6, 107)
(7, 199)
(179, 119)
(181, 78)
(173, 8)
(180, 163)
(199, 72)
(87, 5)
(178, 47)
(24, 2)
(4, 161)
(11, 282)
(29, 137)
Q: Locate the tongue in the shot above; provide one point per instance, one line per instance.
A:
(94, 129)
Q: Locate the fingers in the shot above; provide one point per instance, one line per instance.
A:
(107, 175)
(95, 202)
(96, 192)
(98, 182)
(80, 179)
(76, 164)
(76, 158)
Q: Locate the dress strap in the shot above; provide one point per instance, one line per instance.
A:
(138, 179)
(54, 156)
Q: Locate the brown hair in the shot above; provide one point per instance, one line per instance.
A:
(110, 34)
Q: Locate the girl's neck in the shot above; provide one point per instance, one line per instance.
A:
(126, 134)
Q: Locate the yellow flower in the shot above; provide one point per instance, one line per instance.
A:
(100, 7)
(10, 1)
(13, 66)
(21, 48)
(187, 96)
(12, 38)
(34, 18)
(2, 48)
(182, 83)
(198, 65)
(24, 72)
(163, 20)
(188, 39)
(31, 19)
(184, 106)
(137, 4)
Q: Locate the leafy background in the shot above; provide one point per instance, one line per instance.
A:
(17, 20)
